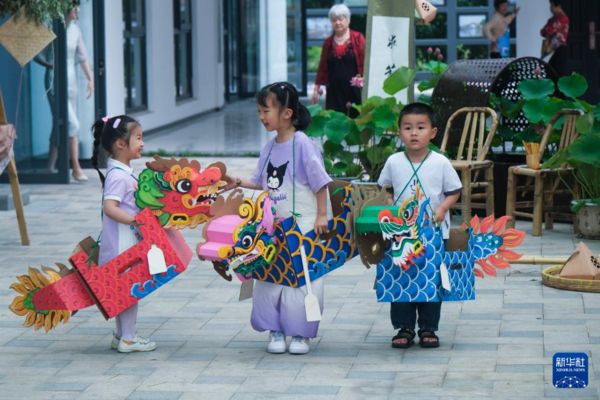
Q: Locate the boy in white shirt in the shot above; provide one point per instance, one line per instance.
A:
(439, 182)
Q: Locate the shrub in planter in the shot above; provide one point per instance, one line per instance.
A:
(360, 146)
(583, 155)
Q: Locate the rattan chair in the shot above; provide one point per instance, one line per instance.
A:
(475, 141)
(543, 183)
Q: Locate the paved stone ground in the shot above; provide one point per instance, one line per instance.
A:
(499, 346)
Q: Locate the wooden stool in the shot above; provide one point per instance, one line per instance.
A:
(544, 184)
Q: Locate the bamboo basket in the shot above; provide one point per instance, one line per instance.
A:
(551, 278)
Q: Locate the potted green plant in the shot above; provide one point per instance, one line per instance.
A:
(540, 100)
(358, 148)
(38, 11)
(583, 155)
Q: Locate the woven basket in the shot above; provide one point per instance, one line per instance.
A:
(550, 278)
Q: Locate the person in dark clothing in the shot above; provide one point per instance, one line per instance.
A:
(342, 59)
(555, 33)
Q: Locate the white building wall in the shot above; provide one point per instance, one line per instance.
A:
(208, 74)
(532, 17)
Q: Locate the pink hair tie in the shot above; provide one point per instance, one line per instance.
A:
(116, 123)
(105, 119)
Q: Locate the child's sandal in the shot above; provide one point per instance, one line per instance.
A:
(433, 341)
(403, 339)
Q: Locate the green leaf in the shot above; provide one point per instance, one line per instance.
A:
(314, 109)
(330, 149)
(40, 11)
(573, 85)
(339, 168)
(364, 118)
(384, 117)
(423, 98)
(378, 155)
(552, 106)
(505, 132)
(328, 165)
(337, 127)
(585, 123)
(586, 150)
(398, 80)
(509, 108)
(352, 138)
(354, 170)
(536, 88)
(556, 160)
(529, 135)
(597, 112)
(316, 128)
(534, 110)
(366, 135)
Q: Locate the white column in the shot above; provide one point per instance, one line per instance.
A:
(113, 60)
(532, 17)
(273, 41)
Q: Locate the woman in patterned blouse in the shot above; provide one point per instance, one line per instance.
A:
(555, 33)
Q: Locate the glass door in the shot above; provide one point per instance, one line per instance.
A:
(296, 44)
(242, 48)
(52, 100)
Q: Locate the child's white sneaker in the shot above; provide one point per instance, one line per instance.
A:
(276, 343)
(299, 345)
(114, 343)
(137, 344)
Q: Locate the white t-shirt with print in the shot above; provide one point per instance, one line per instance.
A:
(436, 175)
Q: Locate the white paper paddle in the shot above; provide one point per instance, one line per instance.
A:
(311, 302)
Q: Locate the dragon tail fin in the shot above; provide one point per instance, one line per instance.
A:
(504, 254)
(48, 296)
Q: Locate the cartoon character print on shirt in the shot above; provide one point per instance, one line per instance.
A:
(275, 177)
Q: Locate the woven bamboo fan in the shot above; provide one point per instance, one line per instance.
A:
(24, 38)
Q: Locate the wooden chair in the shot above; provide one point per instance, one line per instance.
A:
(14, 184)
(543, 183)
(475, 141)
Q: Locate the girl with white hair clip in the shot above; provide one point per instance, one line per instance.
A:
(342, 59)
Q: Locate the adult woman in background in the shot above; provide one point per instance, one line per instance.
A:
(556, 33)
(76, 54)
(342, 59)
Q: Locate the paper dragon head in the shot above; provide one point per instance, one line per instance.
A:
(254, 244)
(404, 230)
(178, 192)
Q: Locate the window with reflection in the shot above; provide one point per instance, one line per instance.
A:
(457, 31)
(134, 47)
(182, 22)
(437, 29)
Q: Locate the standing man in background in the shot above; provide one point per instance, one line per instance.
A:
(497, 29)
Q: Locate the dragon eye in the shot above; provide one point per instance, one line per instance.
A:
(183, 186)
(246, 241)
(407, 213)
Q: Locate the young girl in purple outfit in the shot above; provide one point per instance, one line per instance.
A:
(291, 169)
(121, 137)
